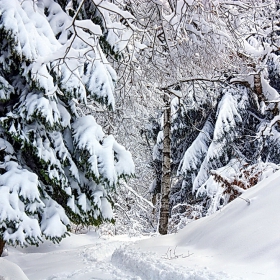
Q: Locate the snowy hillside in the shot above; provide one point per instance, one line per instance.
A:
(240, 242)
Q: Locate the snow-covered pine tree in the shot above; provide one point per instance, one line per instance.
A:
(57, 165)
(188, 119)
(260, 49)
(217, 143)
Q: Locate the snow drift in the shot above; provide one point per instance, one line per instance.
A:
(242, 239)
(10, 271)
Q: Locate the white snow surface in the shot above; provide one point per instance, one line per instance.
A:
(10, 271)
(239, 242)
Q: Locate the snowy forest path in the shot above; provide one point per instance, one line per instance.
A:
(79, 257)
(89, 257)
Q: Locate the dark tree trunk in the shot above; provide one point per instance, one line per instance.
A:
(2, 244)
(166, 169)
(258, 87)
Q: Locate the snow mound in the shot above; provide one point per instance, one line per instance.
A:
(240, 231)
(149, 266)
(10, 271)
(100, 251)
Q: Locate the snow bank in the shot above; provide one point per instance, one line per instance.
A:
(10, 271)
(242, 240)
(149, 266)
(78, 257)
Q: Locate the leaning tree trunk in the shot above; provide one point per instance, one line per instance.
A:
(2, 244)
(258, 87)
(166, 169)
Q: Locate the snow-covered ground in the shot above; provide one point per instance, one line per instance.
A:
(83, 256)
(240, 242)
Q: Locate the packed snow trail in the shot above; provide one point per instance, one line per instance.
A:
(150, 266)
(87, 257)
(90, 261)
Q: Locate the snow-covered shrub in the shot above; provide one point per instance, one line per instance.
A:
(229, 182)
(57, 165)
(182, 214)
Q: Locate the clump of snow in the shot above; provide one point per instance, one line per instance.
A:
(17, 221)
(196, 152)
(107, 157)
(54, 220)
(5, 89)
(10, 271)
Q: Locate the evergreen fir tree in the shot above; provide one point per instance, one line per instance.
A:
(57, 165)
